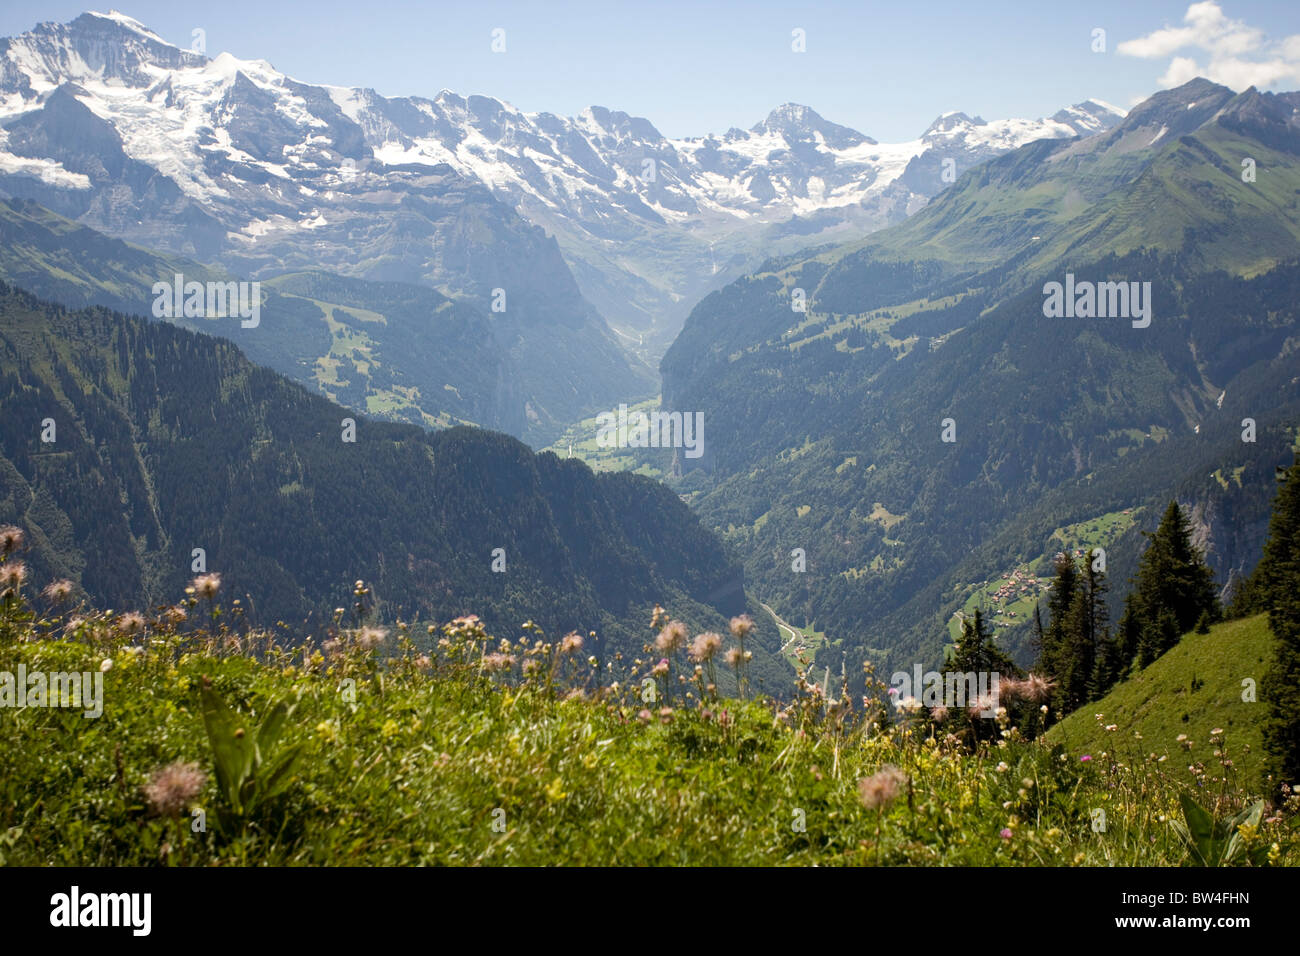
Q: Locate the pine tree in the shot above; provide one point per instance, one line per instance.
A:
(977, 652)
(1173, 588)
(1085, 626)
(1056, 640)
(1279, 582)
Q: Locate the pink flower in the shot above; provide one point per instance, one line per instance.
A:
(1085, 758)
(1006, 833)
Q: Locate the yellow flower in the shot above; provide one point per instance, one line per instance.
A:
(326, 731)
(390, 728)
(555, 792)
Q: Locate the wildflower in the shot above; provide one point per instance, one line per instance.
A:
(665, 715)
(908, 704)
(1036, 688)
(644, 716)
(131, 623)
(734, 657)
(1005, 833)
(175, 615)
(368, 638)
(207, 585)
(1002, 766)
(173, 788)
(660, 669)
(705, 646)
(498, 662)
(1086, 758)
(423, 663)
(56, 592)
(106, 665)
(12, 575)
(939, 714)
(11, 539)
(741, 626)
(672, 638)
(881, 788)
(571, 643)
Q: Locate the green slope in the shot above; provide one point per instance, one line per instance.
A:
(1194, 689)
(815, 416)
(165, 441)
(396, 350)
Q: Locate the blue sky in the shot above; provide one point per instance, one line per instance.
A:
(886, 69)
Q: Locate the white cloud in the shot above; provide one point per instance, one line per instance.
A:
(1224, 50)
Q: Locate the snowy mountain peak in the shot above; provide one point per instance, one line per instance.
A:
(229, 160)
(117, 17)
(93, 48)
(797, 122)
(953, 119)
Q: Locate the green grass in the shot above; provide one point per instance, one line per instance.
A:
(1193, 689)
(581, 438)
(412, 752)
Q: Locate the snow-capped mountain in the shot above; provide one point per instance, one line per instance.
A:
(230, 161)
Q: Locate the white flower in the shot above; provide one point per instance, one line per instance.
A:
(106, 664)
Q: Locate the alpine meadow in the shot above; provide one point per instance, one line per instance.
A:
(412, 478)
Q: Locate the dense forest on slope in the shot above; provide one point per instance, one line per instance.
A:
(827, 427)
(165, 441)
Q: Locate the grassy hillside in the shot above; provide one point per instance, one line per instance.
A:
(1193, 690)
(412, 748)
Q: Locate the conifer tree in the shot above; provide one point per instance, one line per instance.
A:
(977, 652)
(1055, 640)
(1279, 583)
(1083, 632)
(1172, 589)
